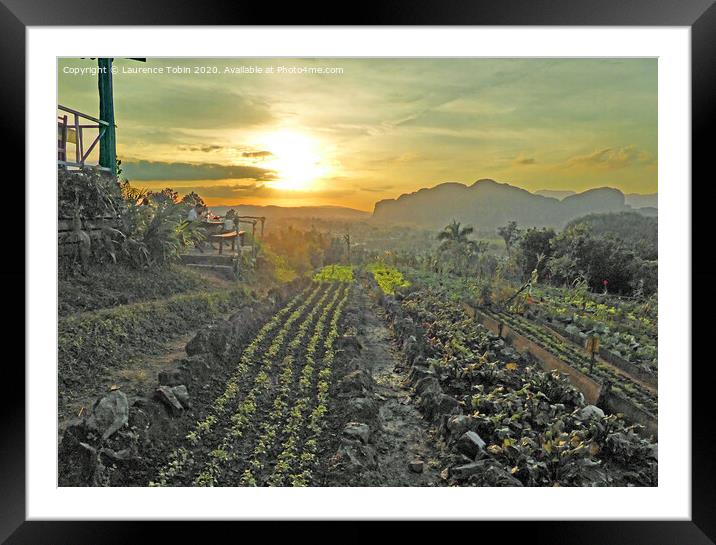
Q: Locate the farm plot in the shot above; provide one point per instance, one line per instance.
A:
(265, 428)
(626, 328)
(461, 289)
(574, 356)
(509, 423)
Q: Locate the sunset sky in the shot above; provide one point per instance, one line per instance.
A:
(377, 128)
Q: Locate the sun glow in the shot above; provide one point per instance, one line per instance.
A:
(295, 157)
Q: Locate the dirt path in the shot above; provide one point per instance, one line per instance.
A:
(135, 379)
(403, 435)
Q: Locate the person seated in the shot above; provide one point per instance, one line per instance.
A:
(196, 212)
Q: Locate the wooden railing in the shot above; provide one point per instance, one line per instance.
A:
(71, 127)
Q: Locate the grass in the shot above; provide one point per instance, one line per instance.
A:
(106, 286)
(109, 338)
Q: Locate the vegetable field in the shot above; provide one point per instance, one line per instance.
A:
(266, 426)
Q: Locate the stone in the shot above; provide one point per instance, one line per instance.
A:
(470, 444)
(166, 396)
(354, 457)
(419, 372)
(427, 385)
(195, 367)
(182, 395)
(464, 471)
(459, 424)
(416, 466)
(170, 377)
(436, 405)
(199, 344)
(356, 382)
(109, 413)
(589, 412)
(349, 344)
(357, 430)
(363, 408)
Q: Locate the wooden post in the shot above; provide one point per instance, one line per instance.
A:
(253, 238)
(262, 227)
(108, 143)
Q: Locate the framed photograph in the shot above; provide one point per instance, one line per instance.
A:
(423, 265)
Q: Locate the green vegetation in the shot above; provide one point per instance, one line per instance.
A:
(268, 431)
(107, 338)
(388, 278)
(105, 285)
(334, 273)
(147, 228)
(531, 421)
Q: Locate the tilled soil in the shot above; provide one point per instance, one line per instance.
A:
(400, 436)
(271, 444)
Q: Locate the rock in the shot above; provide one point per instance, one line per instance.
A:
(182, 395)
(436, 405)
(485, 472)
(109, 413)
(416, 466)
(463, 472)
(459, 424)
(117, 456)
(497, 476)
(470, 443)
(166, 396)
(200, 344)
(170, 377)
(353, 457)
(349, 344)
(195, 367)
(363, 408)
(213, 339)
(428, 385)
(357, 430)
(589, 412)
(419, 372)
(356, 382)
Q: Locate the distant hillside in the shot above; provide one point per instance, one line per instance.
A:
(639, 231)
(555, 194)
(489, 204)
(295, 212)
(636, 200)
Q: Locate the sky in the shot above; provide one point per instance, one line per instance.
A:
(350, 132)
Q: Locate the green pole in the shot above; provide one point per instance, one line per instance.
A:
(108, 142)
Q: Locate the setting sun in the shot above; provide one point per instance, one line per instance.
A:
(295, 157)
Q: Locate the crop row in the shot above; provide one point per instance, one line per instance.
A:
(272, 428)
(388, 278)
(334, 273)
(535, 427)
(180, 456)
(262, 385)
(571, 354)
(293, 465)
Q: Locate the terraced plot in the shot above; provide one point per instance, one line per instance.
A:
(266, 426)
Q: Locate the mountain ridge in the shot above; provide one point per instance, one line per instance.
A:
(487, 203)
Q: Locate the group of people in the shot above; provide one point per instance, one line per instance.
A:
(200, 212)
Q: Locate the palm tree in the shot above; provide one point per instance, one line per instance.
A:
(457, 244)
(455, 233)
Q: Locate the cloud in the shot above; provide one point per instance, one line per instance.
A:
(612, 158)
(256, 154)
(180, 106)
(377, 189)
(204, 148)
(525, 161)
(157, 170)
(259, 190)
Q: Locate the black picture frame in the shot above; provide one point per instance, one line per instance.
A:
(699, 15)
